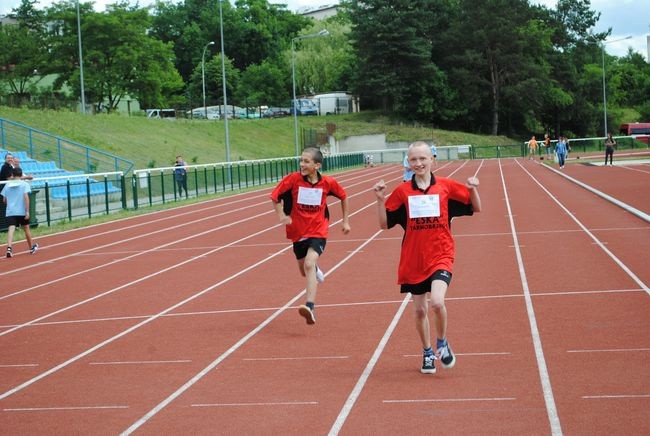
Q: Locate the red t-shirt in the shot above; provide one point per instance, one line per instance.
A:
(426, 216)
(306, 204)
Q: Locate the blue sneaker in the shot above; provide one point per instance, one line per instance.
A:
(428, 365)
(447, 357)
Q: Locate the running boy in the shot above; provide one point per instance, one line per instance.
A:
(424, 207)
(16, 198)
(300, 200)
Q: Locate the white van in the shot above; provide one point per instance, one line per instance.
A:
(335, 103)
(169, 114)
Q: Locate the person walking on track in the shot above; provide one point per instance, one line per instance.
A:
(300, 201)
(424, 207)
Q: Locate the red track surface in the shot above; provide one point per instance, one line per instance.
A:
(185, 321)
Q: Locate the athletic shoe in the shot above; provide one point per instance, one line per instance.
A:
(34, 248)
(307, 313)
(428, 365)
(10, 252)
(446, 356)
(320, 277)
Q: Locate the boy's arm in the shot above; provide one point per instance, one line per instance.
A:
(474, 198)
(346, 219)
(284, 219)
(26, 201)
(379, 189)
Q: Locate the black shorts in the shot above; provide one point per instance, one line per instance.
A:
(425, 286)
(17, 221)
(300, 248)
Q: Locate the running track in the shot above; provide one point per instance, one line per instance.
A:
(184, 321)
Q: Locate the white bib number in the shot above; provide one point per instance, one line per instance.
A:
(310, 196)
(422, 206)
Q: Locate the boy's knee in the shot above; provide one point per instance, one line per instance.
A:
(437, 306)
(420, 312)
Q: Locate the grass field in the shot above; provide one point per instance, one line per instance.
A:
(155, 143)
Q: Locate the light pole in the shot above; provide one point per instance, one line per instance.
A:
(223, 82)
(81, 63)
(602, 47)
(205, 108)
(323, 32)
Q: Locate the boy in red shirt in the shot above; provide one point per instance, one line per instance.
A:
(424, 207)
(300, 200)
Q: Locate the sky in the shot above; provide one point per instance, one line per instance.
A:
(625, 17)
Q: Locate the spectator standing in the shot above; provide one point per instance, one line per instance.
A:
(16, 198)
(180, 175)
(408, 172)
(560, 151)
(610, 145)
(300, 201)
(532, 147)
(6, 170)
(424, 208)
(16, 164)
(547, 144)
(434, 153)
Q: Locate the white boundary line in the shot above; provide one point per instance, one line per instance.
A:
(620, 263)
(636, 212)
(233, 348)
(551, 410)
(356, 391)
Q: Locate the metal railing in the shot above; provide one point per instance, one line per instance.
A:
(67, 154)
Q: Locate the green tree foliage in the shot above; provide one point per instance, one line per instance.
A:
(24, 58)
(120, 59)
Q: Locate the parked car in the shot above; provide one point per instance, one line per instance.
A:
(276, 112)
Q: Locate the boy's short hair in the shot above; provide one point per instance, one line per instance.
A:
(316, 154)
(17, 172)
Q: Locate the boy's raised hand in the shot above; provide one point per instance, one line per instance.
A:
(380, 188)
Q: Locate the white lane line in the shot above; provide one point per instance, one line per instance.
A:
(356, 391)
(19, 365)
(451, 400)
(140, 253)
(551, 409)
(140, 324)
(210, 205)
(140, 422)
(275, 359)
(591, 235)
(610, 350)
(324, 305)
(497, 353)
(139, 362)
(47, 409)
(634, 211)
(283, 403)
(599, 397)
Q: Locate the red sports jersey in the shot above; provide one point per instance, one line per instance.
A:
(306, 204)
(426, 216)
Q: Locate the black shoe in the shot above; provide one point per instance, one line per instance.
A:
(428, 365)
(446, 356)
(10, 252)
(33, 249)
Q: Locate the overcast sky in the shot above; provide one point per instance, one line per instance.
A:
(625, 17)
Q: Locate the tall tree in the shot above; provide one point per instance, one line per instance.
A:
(393, 45)
(120, 59)
(498, 50)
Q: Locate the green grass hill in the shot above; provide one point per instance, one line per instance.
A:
(155, 142)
